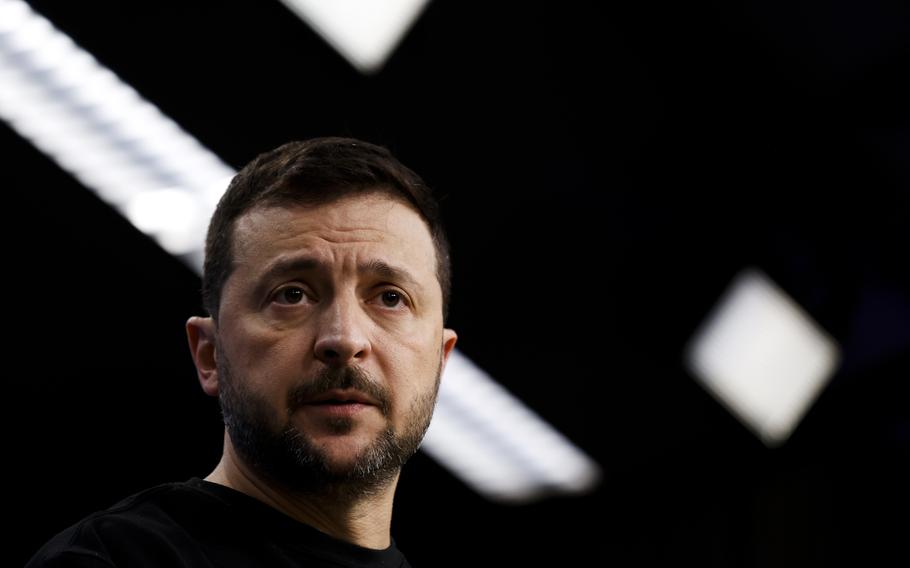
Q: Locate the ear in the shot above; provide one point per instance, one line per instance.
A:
(201, 334)
(449, 337)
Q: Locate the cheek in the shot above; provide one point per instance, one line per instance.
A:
(410, 367)
(268, 362)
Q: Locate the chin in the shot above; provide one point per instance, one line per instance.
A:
(340, 456)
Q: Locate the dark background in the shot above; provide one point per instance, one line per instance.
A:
(606, 172)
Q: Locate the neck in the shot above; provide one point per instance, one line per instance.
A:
(364, 521)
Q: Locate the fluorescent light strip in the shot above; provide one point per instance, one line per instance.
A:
(104, 133)
(496, 443)
(167, 184)
(365, 32)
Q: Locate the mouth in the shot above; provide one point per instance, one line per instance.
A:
(340, 403)
(341, 397)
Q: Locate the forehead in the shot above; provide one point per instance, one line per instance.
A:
(372, 225)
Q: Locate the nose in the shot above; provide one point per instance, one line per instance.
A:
(341, 338)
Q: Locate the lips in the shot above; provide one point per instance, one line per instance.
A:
(339, 404)
(341, 396)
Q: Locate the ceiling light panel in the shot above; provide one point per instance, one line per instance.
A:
(762, 356)
(365, 32)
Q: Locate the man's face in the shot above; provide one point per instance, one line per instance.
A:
(330, 340)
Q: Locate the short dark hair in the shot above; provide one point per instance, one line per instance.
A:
(315, 172)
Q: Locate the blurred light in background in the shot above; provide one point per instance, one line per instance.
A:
(103, 132)
(762, 356)
(167, 184)
(365, 32)
(499, 446)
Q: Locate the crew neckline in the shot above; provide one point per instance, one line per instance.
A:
(297, 534)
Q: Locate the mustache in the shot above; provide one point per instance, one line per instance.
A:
(340, 378)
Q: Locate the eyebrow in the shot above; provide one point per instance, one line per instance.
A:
(388, 272)
(375, 267)
(284, 265)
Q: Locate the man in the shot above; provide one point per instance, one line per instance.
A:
(326, 279)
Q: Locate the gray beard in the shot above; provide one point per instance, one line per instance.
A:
(283, 453)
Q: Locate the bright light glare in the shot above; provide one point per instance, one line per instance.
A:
(763, 357)
(168, 214)
(365, 32)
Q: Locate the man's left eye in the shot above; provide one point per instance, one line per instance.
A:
(390, 298)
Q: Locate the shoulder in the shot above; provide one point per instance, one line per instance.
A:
(201, 525)
(153, 521)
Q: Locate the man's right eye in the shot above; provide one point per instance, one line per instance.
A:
(290, 295)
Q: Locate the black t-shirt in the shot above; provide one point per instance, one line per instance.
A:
(197, 524)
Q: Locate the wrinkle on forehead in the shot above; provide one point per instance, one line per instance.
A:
(336, 225)
(349, 221)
